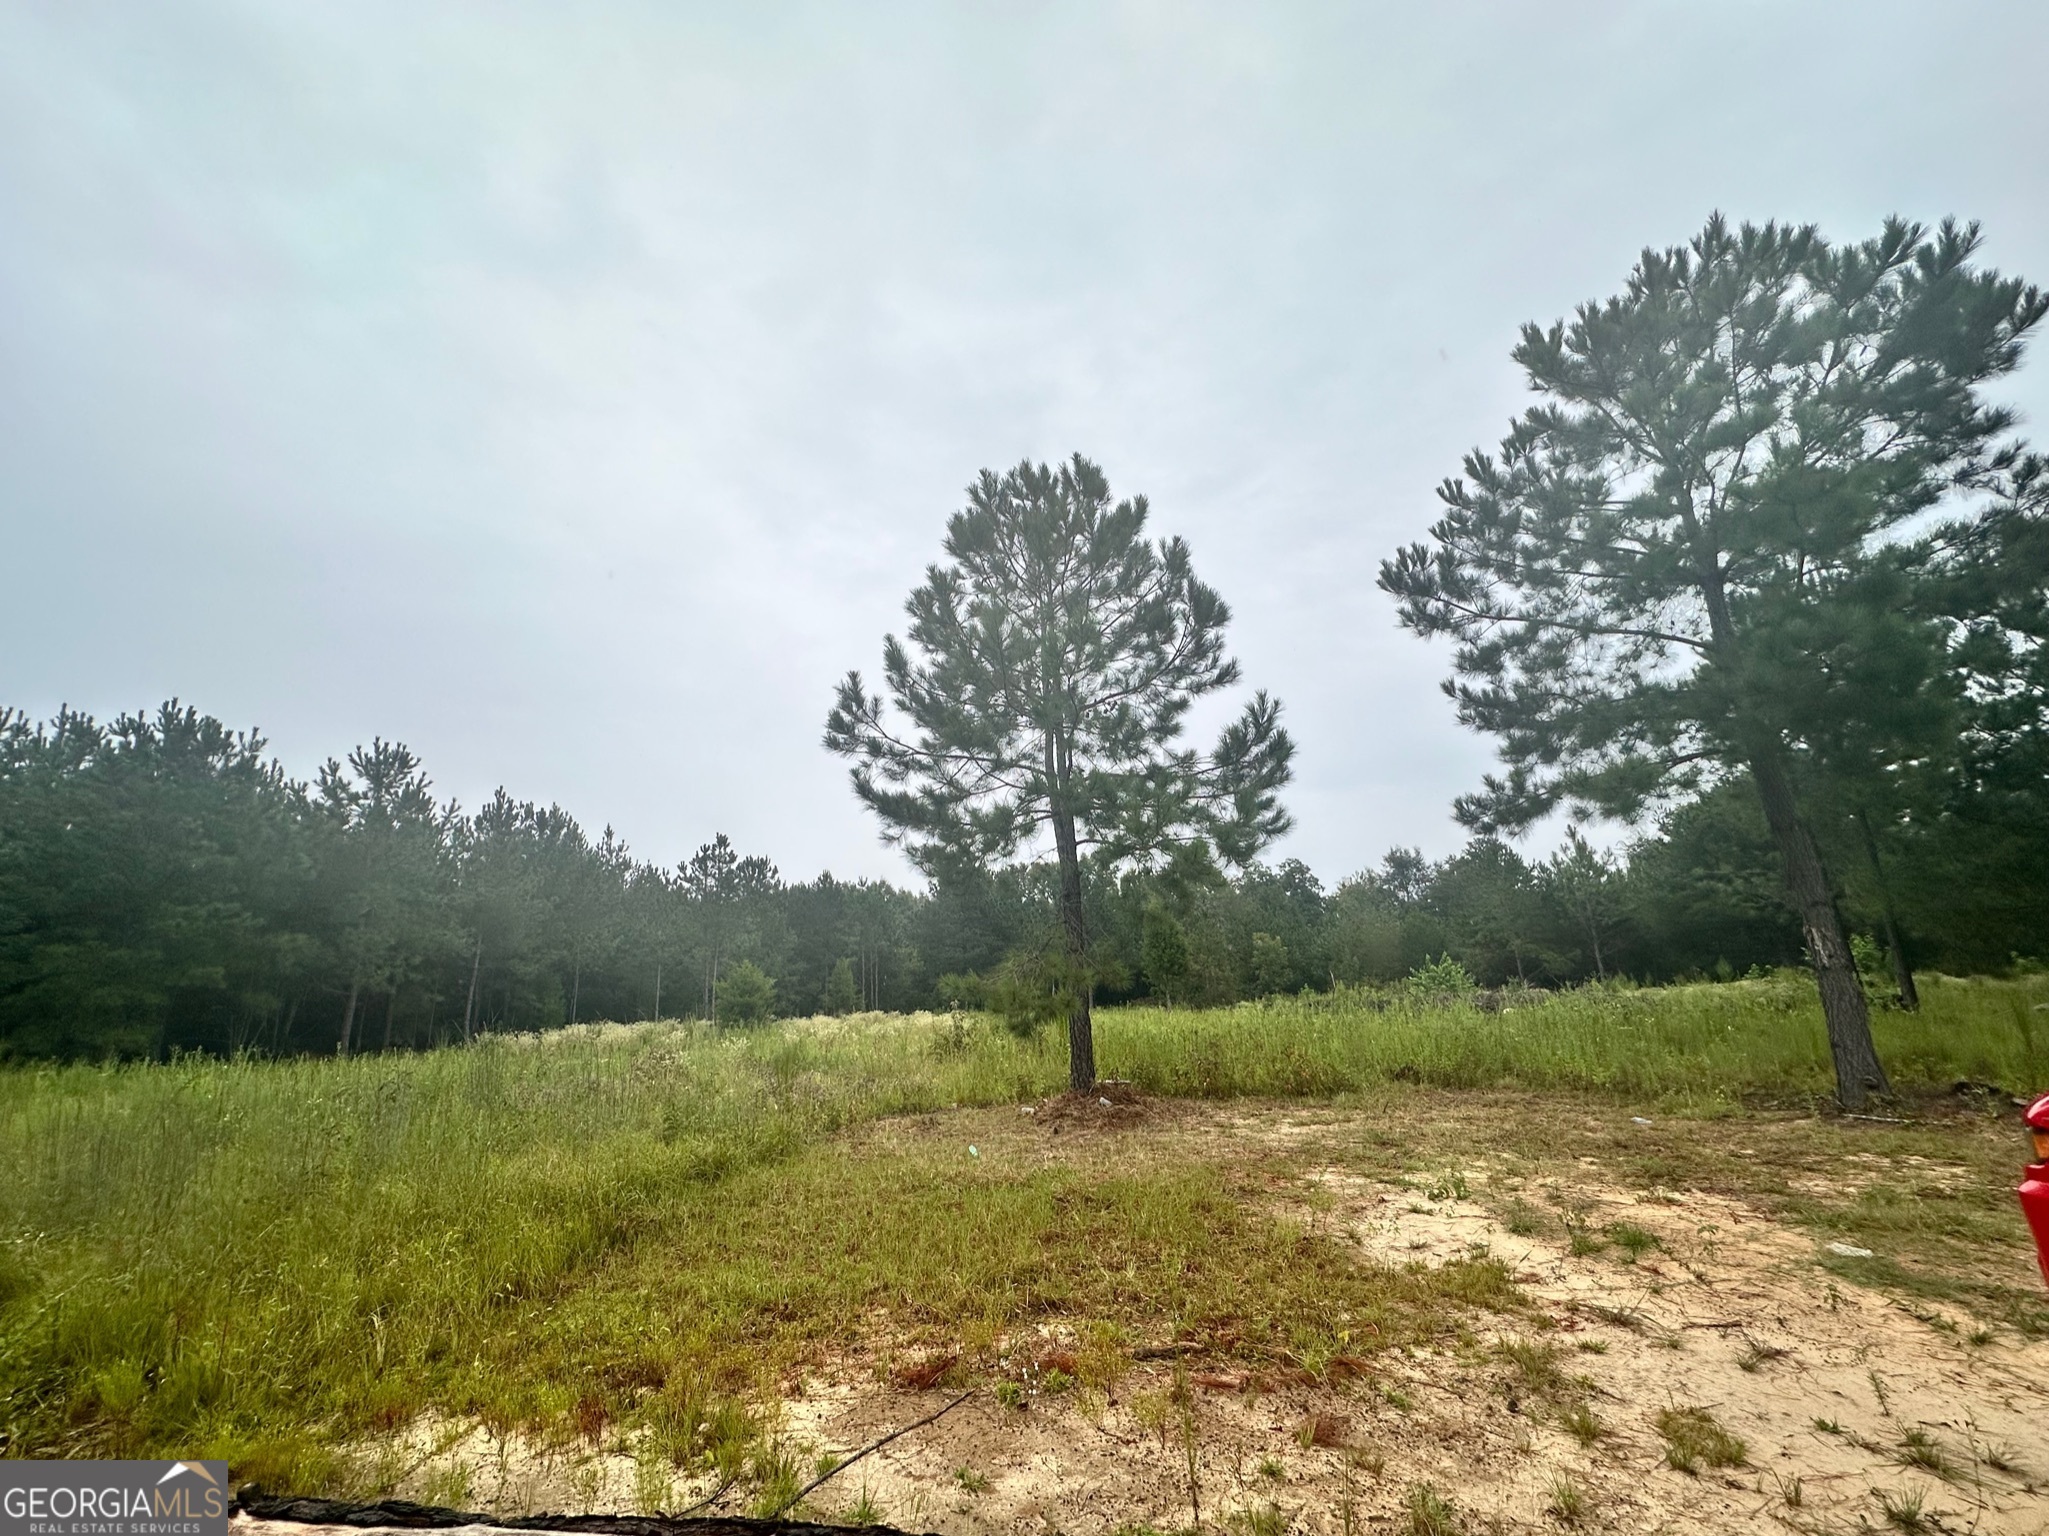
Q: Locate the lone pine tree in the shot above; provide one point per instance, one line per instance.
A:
(1042, 693)
(721, 886)
(1699, 555)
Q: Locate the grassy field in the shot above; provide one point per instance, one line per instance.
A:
(650, 1226)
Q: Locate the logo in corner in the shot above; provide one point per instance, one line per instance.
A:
(114, 1498)
(198, 1467)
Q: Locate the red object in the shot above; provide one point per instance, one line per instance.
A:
(2034, 1190)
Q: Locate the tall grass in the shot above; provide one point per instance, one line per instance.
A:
(192, 1250)
(1706, 1046)
(247, 1256)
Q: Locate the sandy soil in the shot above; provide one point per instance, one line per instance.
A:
(1856, 1409)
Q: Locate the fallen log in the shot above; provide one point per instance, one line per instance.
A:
(404, 1515)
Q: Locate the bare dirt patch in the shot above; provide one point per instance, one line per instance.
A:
(1844, 1398)
(1685, 1361)
(1111, 1105)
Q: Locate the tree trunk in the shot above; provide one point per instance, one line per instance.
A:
(1858, 1071)
(575, 987)
(348, 1020)
(658, 991)
(1081, 1029)
(1081, 1034)
(390, 1013)
(469, 1007)
(1902, 972)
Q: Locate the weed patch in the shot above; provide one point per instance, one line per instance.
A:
(1693, 1440)
(1430, 1514)
(1568, 1506)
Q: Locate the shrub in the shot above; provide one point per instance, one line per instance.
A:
(746, 995)
(1032, 988)
(1271, 968)
(961, 989)
(1440, 977)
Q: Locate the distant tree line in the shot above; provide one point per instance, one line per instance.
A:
(164, 885)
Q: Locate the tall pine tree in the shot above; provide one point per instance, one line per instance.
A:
(1050, 667)
(1696, 556)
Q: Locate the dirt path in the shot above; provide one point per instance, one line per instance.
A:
(1653, 1315)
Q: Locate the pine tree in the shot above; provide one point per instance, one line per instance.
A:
(840, 995)
(746, 995)
(499, 898)
(384, 874)
(1586, 885)
(1048, 673)
(1162, 949)
(720, 885)
(1694, 558)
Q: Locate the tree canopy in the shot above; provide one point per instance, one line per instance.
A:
(1704, 552)
(1049, 670)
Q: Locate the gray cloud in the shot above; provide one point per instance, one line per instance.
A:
(575, 394)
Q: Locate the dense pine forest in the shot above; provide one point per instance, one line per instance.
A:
(167, 886)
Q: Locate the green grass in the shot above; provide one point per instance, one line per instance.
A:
(1920, 1449)
(1703, 1046)
(188, 1244)
(634, 1228)
(1568, 1506)
(1582, 1423)
(1633, 1240)
(1430, 1514)
(1537, 1367)
(1902, 1509)
(613, 1231)
(1693, 1438)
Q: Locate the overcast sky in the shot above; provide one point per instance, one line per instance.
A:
(576, 392)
